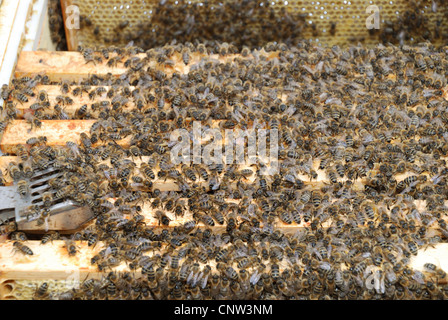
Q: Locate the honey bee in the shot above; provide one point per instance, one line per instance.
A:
(42, 96)
(71, 247)
(47, 199)
(332, 28)
(316, 198)
(18, 246)
(162, 218)
(50, 236)
(65, 87)
(36, 140)
(23, 188)
(20, 97)
(5, 92)
(22, 152)
(41, 292)
(19, 236)
(92, 239)
(33, 121)
(189, 173)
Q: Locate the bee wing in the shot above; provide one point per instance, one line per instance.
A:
(255, 277)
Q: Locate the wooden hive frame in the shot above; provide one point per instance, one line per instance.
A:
(19, 275)
(337, 22)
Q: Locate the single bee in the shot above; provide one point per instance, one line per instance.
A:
(85, 140)
(71, 247)
(5, 92)
(41, 292)
(123, 24)
(22, 152)
(186, 57)
(47, 199)
(20, 97)
(92, 239)
(147, 172)
(42, 96)
(23, 188)
(18, 246)
(332, 28)
(188, 172)
(316, 198)
(60, 113)
(430, 267)
(420, 62)
(50, 236)
(162, 217)
(36, 140)
(33, 121)
(332, 176)
(65, 87)
(19, 236)
(81, 112)
(413, 248)
(203, 172)
(113, 62)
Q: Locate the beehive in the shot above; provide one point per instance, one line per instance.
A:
(22, 275)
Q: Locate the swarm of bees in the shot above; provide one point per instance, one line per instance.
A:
(413, 25)
(372, 121)
(56, 23)
(245, 23)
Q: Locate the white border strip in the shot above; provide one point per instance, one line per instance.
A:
(34, 25)
(15, 39)
(8, 11)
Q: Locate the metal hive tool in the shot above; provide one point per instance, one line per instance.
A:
(63, 215)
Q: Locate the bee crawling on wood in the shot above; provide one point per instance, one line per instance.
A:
(33, 121)
(65, 87)
(18, 236)
(71, 247)
(8, 227)
(50, 236)
(18, 246)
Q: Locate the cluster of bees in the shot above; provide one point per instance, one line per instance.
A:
(372, 122)
(56, 25)
(251, 23)
(414, 25)
(255, 23)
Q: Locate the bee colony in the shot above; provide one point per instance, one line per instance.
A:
(359, 197)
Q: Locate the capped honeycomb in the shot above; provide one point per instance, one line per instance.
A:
(152, 23)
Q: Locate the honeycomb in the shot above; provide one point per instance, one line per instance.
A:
(339, 22)
(26, 289)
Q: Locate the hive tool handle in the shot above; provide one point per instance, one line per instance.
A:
(8, 200)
